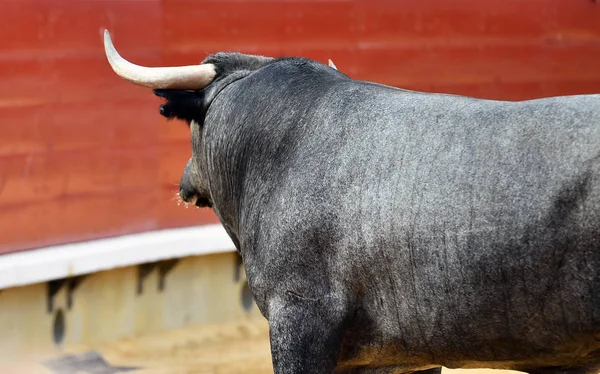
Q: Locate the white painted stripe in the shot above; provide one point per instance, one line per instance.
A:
(44, 264)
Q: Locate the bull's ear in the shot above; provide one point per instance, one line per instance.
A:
(181, 104)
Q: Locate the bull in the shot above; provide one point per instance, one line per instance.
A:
(386, 230)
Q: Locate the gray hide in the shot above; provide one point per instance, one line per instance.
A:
(383, 229)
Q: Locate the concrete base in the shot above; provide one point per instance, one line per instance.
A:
(45, 319)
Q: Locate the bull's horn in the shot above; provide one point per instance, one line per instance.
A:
(332, 65)
(192, 77)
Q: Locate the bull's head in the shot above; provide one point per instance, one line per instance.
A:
(189, 91)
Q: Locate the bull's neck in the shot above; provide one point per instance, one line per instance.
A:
(244, 169)
(252, 128)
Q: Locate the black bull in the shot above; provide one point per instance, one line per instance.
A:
(388, 230)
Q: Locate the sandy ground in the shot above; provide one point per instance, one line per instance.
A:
(241, 347)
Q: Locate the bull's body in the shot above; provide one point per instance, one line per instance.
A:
(384, 229)
(443, 230)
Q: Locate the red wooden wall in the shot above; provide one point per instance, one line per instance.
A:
(85, 155)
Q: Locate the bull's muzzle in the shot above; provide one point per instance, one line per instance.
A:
(188, 192)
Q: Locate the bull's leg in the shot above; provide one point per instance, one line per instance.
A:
(306, 334)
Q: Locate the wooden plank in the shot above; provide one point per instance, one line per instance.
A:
(468, 64)
(473, 21)
(69, 219)
(87, 217)
(88, 125)
(30, 178)
(53, 28)
(233, 25)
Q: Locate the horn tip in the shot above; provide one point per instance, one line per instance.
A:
(106, 35)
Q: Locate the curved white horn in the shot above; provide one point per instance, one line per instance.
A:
(191, 77)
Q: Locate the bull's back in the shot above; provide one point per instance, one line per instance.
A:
(471, 227)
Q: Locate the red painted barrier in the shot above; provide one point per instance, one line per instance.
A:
(84, 155)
